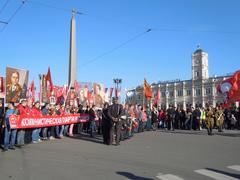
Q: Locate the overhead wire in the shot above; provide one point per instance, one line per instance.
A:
(81, 13)
(13, 15)
(195, 31)
(127, 23)
(3, 22)
(54, 7)
(116, 48)
(113, 49)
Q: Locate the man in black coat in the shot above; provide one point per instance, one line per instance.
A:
(171, 117)
(154, 116)
(92, 116)
(114, 112)
(196, 118)
(106, 125)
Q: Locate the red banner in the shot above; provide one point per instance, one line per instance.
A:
(1, 85)
(20, 122)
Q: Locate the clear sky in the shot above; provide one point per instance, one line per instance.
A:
(38, 37)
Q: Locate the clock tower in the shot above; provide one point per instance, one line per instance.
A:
(199, 65)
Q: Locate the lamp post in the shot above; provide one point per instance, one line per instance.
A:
(117, 83)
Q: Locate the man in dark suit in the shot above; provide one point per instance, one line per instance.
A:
(114, 112)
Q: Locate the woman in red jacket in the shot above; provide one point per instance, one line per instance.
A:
(23, 110)
(36, 112)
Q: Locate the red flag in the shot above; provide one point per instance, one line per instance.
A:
(230, 88)
(234, 92)
(58, 91)
(32, 89)
(65, 91)
(111, 91)
(105, 90)
(1, 84)
(49, 79)
(147, 90)
(76, 86)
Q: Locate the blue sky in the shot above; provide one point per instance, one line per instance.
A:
(38, 37)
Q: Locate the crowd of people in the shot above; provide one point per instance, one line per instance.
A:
(114, 122)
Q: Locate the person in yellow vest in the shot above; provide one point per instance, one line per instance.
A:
(209, 120)
(203, 118)
(219, 118)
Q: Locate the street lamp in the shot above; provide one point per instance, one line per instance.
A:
(117, 82)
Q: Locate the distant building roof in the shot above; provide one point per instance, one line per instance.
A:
(199, 50)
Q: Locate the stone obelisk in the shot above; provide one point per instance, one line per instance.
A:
(73, 52)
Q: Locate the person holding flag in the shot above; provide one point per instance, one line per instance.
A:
(148, 94)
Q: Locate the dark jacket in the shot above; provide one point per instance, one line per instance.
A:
(92, 114)
(106, 120)
(154, 116)
(115, 111)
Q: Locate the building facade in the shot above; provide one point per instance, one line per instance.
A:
(201, 90)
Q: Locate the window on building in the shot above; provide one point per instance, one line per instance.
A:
(180, 93)
(198, 92)
(189, 92)
(163, 94)
(197, 74)
(208, 91)
(171, 93)
(139, 96)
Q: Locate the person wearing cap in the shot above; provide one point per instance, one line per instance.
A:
(114, 112)
(219, 118)
(209, 120)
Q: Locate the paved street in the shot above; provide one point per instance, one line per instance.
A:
(150, 155)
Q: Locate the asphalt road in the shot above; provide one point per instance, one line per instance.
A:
(150, 155)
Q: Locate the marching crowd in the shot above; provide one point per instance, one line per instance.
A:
(114, 122)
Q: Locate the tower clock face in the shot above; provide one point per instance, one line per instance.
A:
(197, 61)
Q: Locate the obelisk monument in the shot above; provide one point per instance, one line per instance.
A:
(73, 52)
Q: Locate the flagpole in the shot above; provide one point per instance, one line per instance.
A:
(69, 87)
(40, 88)
(143, 96)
